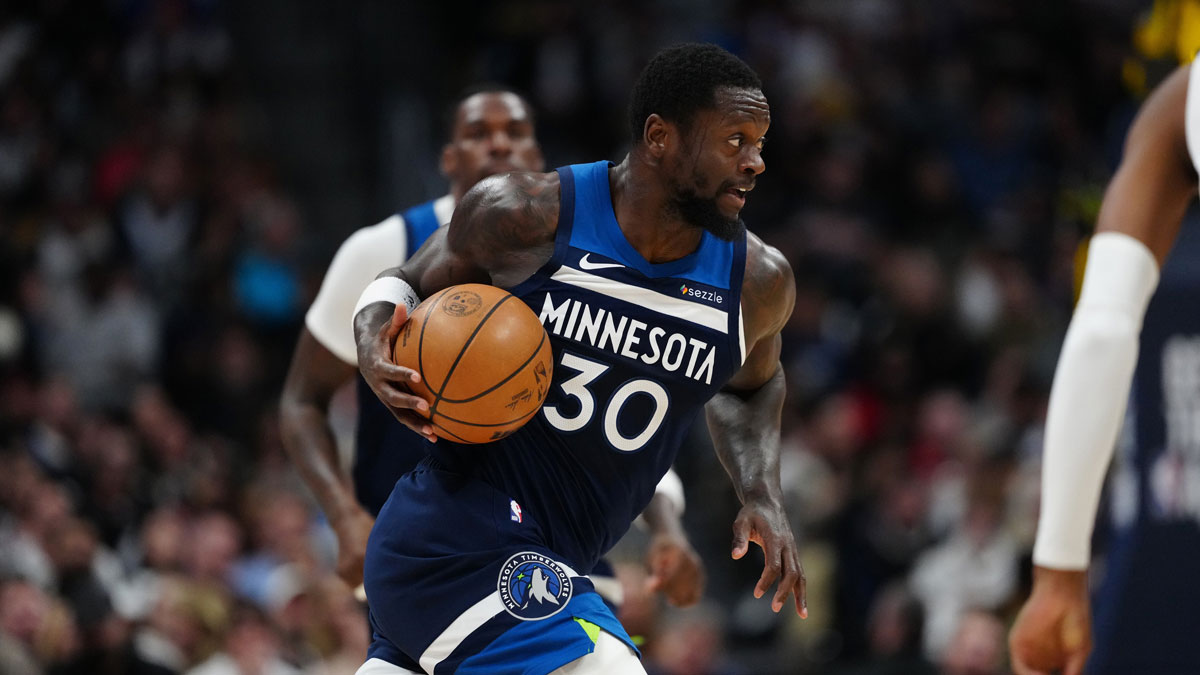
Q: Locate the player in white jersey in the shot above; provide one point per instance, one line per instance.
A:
(1139, 221)
(491, 131)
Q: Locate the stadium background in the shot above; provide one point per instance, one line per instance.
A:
(175, 175)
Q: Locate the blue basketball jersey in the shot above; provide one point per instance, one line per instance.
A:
(638, 349)
(384, 449)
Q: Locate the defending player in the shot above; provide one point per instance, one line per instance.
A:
(652, 291)
(1139, 220)
(491, 131)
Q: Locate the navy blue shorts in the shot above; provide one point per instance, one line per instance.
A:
(459, 580)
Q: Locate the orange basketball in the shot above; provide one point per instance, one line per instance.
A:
(484, 359)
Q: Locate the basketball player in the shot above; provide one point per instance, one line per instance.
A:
(492, 131)
(658, 304)
(1139, 220)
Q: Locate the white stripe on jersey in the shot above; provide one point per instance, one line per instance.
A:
(709, 317)
(468, 622)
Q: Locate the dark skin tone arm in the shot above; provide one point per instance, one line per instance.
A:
(501, 233)
(675, 568)
(314, 376)
(1146, 200)
(744, 419)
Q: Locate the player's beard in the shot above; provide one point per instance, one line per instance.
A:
(704, 213)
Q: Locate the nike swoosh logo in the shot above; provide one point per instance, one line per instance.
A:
(586, 264)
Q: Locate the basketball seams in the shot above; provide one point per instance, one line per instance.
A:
(458, 438)
(521, 368)
(437, 396)
(487, 424)
(437, 299)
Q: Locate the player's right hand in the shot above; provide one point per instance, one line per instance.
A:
(390, 381)
(1053, 631)
(352, 530)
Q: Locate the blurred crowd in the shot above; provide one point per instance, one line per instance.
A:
(932, 170)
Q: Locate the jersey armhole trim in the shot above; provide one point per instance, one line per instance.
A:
(737, 324)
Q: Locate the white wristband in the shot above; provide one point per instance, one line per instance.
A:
(392, 290)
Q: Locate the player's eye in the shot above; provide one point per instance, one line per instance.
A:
(736, 141)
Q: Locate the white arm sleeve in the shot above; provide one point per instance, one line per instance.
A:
(365, 254)
(670, 488)
(1090, 391)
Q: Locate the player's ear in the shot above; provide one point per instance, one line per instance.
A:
(657, 135)
(449, 162)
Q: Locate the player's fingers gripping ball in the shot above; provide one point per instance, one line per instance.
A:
(484, 359)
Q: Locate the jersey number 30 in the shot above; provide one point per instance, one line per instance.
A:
(577, 387)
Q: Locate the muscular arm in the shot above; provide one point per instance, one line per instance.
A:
(1139, 220)
(501, 233)
(323, 362)
(744, 420)
(313, 377)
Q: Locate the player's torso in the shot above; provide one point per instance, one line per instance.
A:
(638, 350)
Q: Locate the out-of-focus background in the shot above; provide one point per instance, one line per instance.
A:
(176, 174)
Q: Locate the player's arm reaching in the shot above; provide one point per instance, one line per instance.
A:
(501, 233)
(313, 377)
(743, 419)
(322, 363)
(1139, 220)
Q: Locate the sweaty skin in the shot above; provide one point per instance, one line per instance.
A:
(503, 231)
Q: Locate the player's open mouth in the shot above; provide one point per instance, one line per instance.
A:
(738, 195)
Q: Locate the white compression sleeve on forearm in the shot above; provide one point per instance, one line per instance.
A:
(1090, 391)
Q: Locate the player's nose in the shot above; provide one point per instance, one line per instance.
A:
(500, 143)
(752, 162)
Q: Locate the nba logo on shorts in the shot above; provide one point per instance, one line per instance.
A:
(533, 586)
(514, 511)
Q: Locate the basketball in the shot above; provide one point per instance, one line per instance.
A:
(484, 359)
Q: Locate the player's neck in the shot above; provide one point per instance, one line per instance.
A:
(643, 212)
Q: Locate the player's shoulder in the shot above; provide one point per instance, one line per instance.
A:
(768, 287)
(384, 233)
(767, 269)
(514, 190)
(511, 210)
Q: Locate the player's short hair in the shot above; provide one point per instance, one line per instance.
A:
(683, 79)
(451, 112)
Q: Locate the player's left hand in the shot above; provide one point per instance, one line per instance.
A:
(763, 522)
(675, 569)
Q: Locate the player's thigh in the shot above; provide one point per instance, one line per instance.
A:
(611, 657)
(381, 667)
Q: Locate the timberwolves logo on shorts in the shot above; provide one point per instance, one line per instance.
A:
(533, 586)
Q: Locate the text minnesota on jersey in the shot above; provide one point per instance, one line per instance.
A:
(604, 330)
